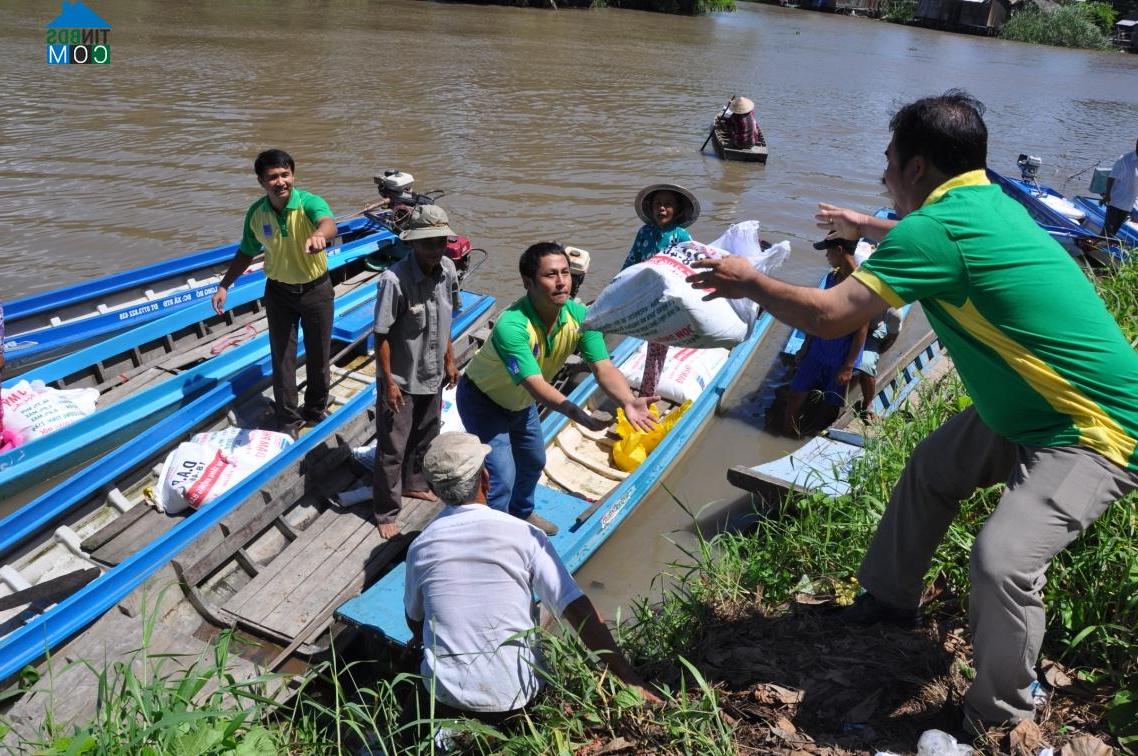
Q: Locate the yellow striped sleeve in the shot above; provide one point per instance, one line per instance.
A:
(878, 287)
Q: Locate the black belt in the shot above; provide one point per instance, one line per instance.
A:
(300, 288)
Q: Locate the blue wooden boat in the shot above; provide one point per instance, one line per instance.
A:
(37, 460)
(1067, 222)
(97, 521)
(823, 463)
(49, 324)
(128, 361)
(580, 491)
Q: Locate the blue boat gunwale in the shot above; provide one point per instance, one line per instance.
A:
(245, 290)
(375, 608)
(17, 309)
(28, 347)
(47, 630)
(50, 454)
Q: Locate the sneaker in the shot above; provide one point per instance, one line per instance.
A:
(542, 524)
(867, 609)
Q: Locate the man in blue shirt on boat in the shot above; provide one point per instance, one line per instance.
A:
(292, 227)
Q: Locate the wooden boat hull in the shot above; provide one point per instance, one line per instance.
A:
(133, 545)
(38, 460)
(47, 325)
(584, 525)
(723, 148)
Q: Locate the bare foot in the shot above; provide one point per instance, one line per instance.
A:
(388, 530)
(423, 495)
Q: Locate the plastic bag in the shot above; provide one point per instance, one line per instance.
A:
(652, 300)
(634, 446)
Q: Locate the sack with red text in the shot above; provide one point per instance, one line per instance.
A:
(200, 470)
(686, 372)
(33, 410)
(653, 301)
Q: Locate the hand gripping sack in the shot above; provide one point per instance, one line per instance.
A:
(652, 300)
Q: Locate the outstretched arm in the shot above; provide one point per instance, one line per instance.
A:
(828, 313)
(546, 393)
(613, 383)
(596, 636)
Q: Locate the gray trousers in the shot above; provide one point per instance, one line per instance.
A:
(1053, 494)
(401, 441)
(309, 305)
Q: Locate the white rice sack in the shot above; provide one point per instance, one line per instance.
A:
(193, 475)
(34, 410)
(653, 300)
(249, 448)
(211, 463)
(685, 375)
(450, 421)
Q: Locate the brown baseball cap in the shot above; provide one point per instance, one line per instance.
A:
(427, 221)
(453, 458)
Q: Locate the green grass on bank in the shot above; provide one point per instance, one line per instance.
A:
(1074, 24)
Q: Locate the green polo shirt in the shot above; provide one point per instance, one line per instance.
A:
(1040, 355)
(282, 236)
(519, 347)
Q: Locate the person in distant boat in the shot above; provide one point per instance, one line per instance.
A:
(415, 360)
(528, 345)
(293, 228)
(667, 210)
(881, 334)
(741, 127)
(472, 575)
(1121, 192)
(826, 365)
(1052, 378)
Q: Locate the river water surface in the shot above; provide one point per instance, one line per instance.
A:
(538, 124)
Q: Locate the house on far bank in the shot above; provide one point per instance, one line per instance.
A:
(976, 16)
(1126, 34)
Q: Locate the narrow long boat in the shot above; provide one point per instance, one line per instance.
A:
(261, 556)
(126, 410)
(723, 148)
(823, 463)
(46, 325)
(580, 490)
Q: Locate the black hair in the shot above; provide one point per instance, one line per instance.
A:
(948, 130)
(273, 159)
(531, 258)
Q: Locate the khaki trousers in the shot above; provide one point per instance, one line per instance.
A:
(1053, 494)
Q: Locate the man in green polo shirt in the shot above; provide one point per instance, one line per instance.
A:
(1052, 379)
(293, 228)
(530, 342)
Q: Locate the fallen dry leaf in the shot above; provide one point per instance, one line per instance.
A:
(1086, 745)
(784, 728)
(1055, 676)
(771, 694)
(1025, 738)
(614, 745)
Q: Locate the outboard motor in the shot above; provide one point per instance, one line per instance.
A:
(578, 267)
(1029, 167)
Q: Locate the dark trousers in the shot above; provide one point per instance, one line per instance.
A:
(310, 306)
(401, 440)
(1113, 221)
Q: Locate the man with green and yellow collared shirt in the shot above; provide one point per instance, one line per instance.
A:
(1053, 380)
(292, 227)
(529, 344)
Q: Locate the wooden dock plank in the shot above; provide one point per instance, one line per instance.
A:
(341, 560)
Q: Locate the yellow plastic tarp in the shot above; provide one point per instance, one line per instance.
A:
(634, 446)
